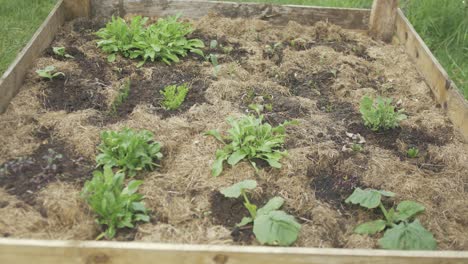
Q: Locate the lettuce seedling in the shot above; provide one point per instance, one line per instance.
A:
(164, 40)
(381, 114)
(60, 51)
(250, 139)
(413, 152)
(128, 150)
(49, 73)
(116, 206)
(270, 225)
(174, 96)
(400, 232)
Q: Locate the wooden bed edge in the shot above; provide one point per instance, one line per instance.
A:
(54, 252)
(444, 89)
(13, 78)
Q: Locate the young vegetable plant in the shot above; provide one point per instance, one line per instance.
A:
(250, 139)
(128, 150)
(116, 206)
(174, 96)
(60, 51)
(124, 92)
(164, 40)
(49, 73)
(400, 232)
(381, 114)
(413, 152)
(270, 225)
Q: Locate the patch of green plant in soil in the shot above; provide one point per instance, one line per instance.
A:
(174, 96)
(49, 73)
(380, 114)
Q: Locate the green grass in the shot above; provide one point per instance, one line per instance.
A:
(19, 19)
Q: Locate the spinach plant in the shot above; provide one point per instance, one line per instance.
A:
(381, 114)
(401, 232)
(249, 138)
(128, 150)
(174, 96)
(413, 152)
(165, 40)
(49, 73)
(270, 225)
(116, 206)
(60, 51)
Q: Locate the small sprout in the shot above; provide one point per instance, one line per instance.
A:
(60, 51)
(214, 61)
(356, 147)
(213, 44)
(124, 92)
(269, 107)
(49, 73)
(400, 232)
(174, 96)
(227, 49)
(270, 225)
(381, 114)
(413, 152)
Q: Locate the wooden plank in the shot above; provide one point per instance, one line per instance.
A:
(356, 19)
(445, 91)
(382, 19)
(61, 252)
(13, 78)
(78, 8)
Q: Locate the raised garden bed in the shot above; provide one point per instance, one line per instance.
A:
(315, 74)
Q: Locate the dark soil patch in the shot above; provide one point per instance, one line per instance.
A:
(312, 86)
(53, 161)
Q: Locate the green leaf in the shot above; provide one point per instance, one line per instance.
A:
(276, 228)
(142, 217)
(408, 209)
(370, 228)
(235, 190)
(236, 157)
(386, 193)
(111, 57)
(406, 236)
(368, 198)
(273, 204)
(217, 168)
(245, 221)
(215, 134)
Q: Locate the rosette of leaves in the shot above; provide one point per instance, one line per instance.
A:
(249, 138)
(270, 225)
(174, 96)
(381, 114)
(49, 73)
(165, 40)
(401, 231)
(116, 205)
(129, 150)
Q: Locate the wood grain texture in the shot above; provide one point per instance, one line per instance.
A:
(13, 78)
(382, 19)
(445, 91)
(62, 252)
(77, 8)
(278, 15)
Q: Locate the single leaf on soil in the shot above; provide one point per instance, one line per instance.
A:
(368, 198)
(408, 209)
(370, 228)
(406, 236)
(245, 221)
(235, 190)
(274, 203)
(276, 228)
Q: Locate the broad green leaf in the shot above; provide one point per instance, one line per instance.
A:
(215, 134)
(276, 228)
(406, 236)
(273, 204)
(111, 57)
(137, 206)
(217, 168)
(142, 217)
(408, 209)
(236, 157)
(245, 221)
(235, 190)
(370, 228)
(368, 198)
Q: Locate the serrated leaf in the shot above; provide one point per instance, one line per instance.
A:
(368, 198)
(406, 236)
(245, 221)
(273, 204)
(370, 228)
(408, 209)
(235, 190)
(276, 228)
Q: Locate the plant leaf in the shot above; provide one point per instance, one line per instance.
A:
(236, 157)
(368, 198)
(274, 203)
(276, 228)
(216, 134)
(408, 209)
(406, 236)
(370, 228)
(245, 221)
(235, 190)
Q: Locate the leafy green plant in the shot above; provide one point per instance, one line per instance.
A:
(270, 225)
(60, 51)
(214, 61)
(116, 206)
(400, 232)
(249, 138)
(165, 40)
(49, 73)
(124, 92)
(174, 96)
(128, 150)
(381, 114)
(413, 152)
(356, 147)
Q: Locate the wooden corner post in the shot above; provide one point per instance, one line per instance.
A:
(382, 19)
(77, 8)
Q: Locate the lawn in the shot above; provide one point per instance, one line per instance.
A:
(443, 24)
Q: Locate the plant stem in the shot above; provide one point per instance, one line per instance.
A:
(384, 211)
(248, 205)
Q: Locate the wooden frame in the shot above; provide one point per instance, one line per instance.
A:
(51, 252)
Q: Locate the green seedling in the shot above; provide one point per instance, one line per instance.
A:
(49, 73)
(213, 44)
(116, 206)
(249, 138)
(124, 92)
(356, 147)
(60, 51)
(165, 40)
(128, 150)
(270, 225)
(413, 152)
(381, 114)
(174, 96)
(214, 61)
(400, 231)
(52, 157)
